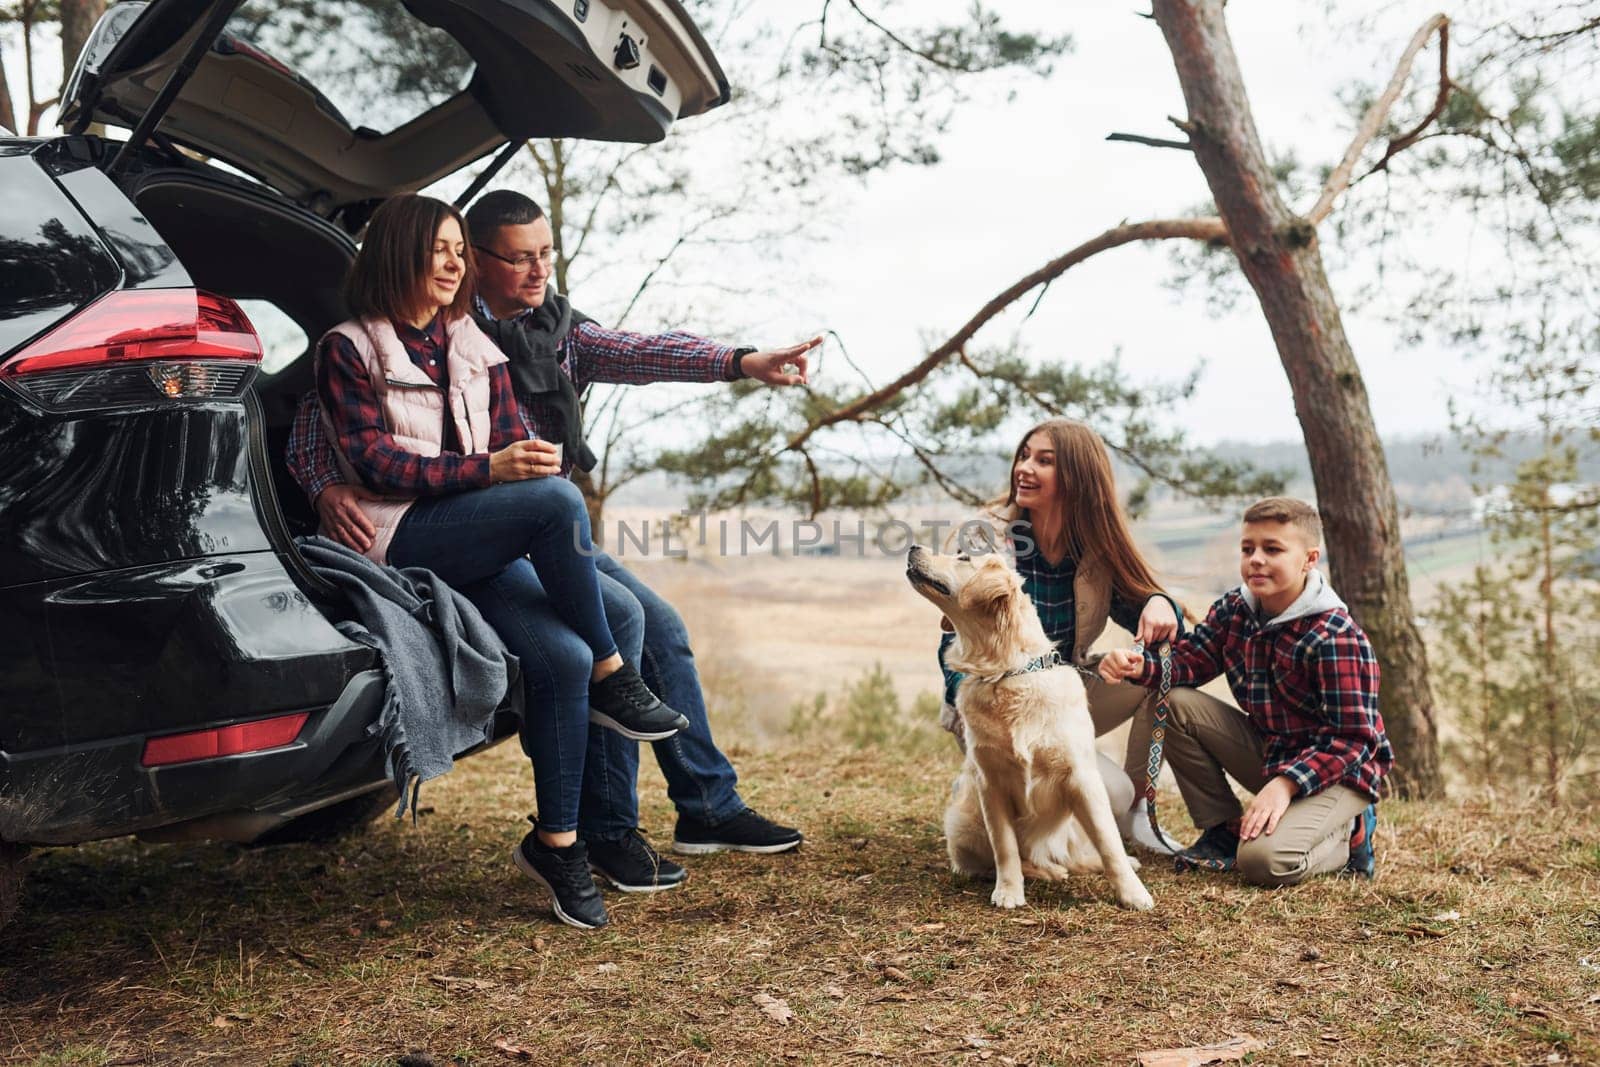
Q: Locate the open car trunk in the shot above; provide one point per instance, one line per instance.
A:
(341, 103)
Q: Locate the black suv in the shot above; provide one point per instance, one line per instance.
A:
(167, 662)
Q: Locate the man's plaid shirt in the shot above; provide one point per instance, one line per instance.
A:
(590, 354)
(345, 387)
(1310, 686)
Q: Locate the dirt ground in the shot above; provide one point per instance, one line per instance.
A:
(1478, 943)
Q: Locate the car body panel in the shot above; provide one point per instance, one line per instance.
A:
(52, 261)
(170, 647)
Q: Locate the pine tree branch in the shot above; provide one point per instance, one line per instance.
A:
(1153, 142)
(1197, 229)
(1339, 180)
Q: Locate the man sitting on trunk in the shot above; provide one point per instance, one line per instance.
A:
(555, 352)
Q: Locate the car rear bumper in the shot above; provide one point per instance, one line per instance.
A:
(83, 792)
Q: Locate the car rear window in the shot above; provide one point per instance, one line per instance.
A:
(373, 63)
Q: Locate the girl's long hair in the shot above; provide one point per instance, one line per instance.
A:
(1092, 522)
(389, 277)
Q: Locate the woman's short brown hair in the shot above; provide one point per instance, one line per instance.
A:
(390, 274)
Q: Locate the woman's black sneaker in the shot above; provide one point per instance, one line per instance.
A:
(622, 702)
(745, 832)
(565, 873)
(629, 863)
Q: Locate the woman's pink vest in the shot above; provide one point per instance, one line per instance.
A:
(414, 407)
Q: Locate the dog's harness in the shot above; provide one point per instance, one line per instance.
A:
(1158, 738)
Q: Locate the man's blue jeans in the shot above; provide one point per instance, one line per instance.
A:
(700, 781)
(478, 542)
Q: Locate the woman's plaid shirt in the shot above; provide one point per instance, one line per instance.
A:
(590, 354)
(1310, 686)
(345, 388)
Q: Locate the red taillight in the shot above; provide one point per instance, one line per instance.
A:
(224, 741)
(138, 346)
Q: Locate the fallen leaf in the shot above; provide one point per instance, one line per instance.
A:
(1445, 917)
(1535, 1012)
(929, 928)
(222, 1022)
(895, 974)
(976, 1041)
(538, 944)
(836, 992)
(1024, 922)
(1235, 1048)
(516, 1052)
(384, 924)
(1329, 1035)
(606, 968)
(450, 981)
(773, 1008)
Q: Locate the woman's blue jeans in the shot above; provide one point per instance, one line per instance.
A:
(521, 552)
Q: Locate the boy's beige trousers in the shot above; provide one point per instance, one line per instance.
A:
(1206, 737)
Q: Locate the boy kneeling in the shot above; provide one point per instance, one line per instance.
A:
(1311, 746)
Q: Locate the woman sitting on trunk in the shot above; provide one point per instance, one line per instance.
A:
(419, 405)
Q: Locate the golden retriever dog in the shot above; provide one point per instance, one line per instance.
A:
(1030, 799)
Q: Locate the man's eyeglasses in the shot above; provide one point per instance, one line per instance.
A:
(522, 264)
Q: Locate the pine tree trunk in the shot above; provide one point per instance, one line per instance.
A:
(77, 19)
(8, 110)
(1278, 253)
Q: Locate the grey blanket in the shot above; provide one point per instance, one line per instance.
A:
(447, 670)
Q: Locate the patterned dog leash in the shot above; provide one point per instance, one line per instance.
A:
(1158, 740)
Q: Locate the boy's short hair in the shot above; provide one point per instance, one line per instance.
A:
(1286, 509)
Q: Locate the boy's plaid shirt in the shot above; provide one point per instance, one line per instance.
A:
(590, 354)
(1310, 685)
(357, 415)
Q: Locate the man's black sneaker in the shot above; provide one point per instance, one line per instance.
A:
(622, 702)
(745, 832)
(1217, 850)
(630, 864)
(565, 873)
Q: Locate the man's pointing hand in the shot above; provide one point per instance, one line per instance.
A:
(783, 366)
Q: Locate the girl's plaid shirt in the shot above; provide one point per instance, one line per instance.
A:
(1310, 686)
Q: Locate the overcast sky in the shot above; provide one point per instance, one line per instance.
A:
(1024, 181)
(919, 250)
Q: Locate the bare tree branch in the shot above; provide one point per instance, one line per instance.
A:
(1197, 229)
(921, 54)
(1153, 142)
(1339, 180)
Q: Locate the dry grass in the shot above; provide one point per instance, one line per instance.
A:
(425, 940)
